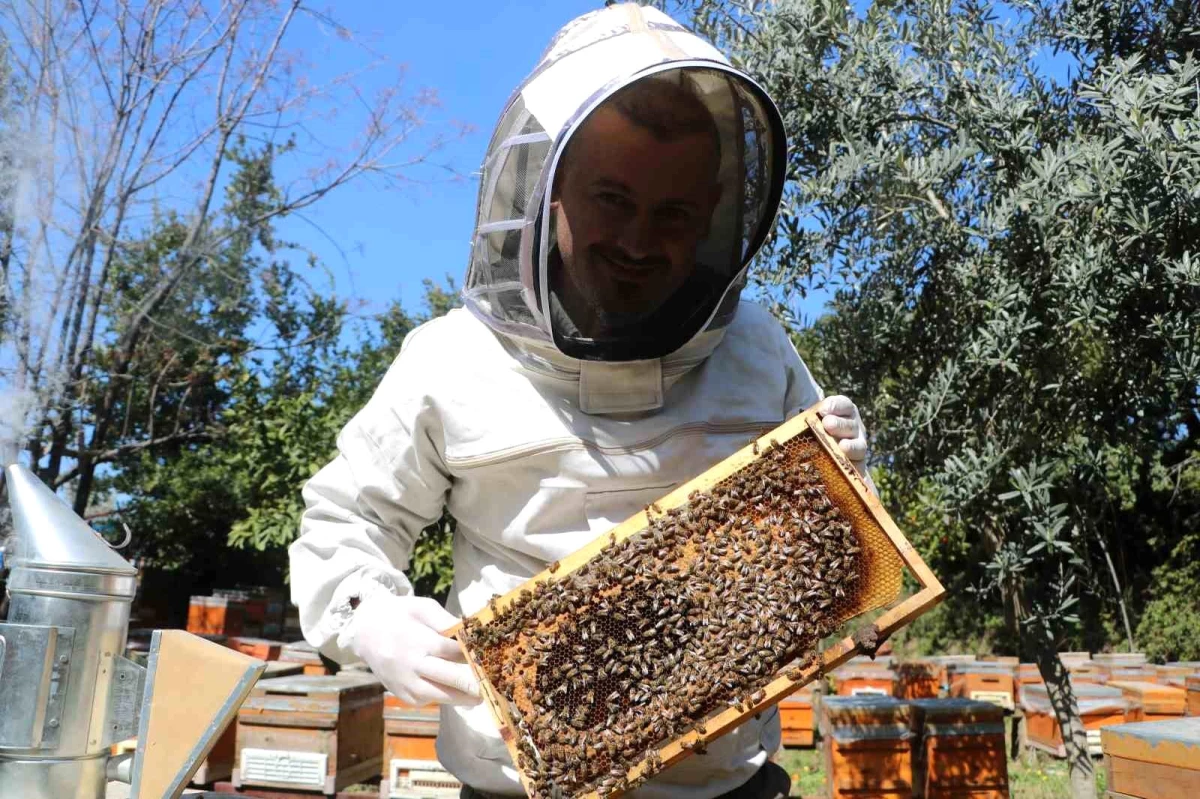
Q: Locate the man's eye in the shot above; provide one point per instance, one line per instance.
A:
(674, 216)
(613, 200)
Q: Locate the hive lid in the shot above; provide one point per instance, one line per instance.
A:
(956, 709)
(49, 534)
(304, 684)
(1138, 688)
(863, 709)
(1175, 742)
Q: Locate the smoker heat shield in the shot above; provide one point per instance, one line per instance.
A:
(600, 670)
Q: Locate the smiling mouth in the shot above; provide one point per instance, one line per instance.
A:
(627, 272)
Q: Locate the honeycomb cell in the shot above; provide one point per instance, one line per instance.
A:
(606, 665)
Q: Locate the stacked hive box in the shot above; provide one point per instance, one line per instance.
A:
(867, 747)
(261, 648)
(411, 769)
(219, 763)
(1149, 701)
(796, 717)
(861, 676)
(983, 682)
(917, 679)
(1153, 760)
(945, 663)
(1024, 675)
(1120, 659)
(1192, 686)
(1099, 706)
(213, 615)
(958, 749)
(1177, 671)
(1072, 659)
(1131, 674)
(305, 654)
(310, 733)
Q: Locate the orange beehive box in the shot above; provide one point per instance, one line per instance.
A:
(1192, 686)
(1025, 674)
(410, 764)
(310, 733)
(861, 676)
(917, 679)
(867, 747)
(211, 615)
(260, 648)
(983, 682)
(219, 763)
(796, 717)
(1151, 702)
(1099, 706)
(946, 663)
(1120, 659)
(1132, 674)
(1177, 670)
(1001, 660)
(958, 749)
(1153, 760)
(305, 654)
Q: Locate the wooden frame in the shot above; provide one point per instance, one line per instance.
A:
(930, 594)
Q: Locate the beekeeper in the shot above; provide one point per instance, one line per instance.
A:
(603, 359)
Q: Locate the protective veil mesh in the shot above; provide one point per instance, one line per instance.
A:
(590, 60)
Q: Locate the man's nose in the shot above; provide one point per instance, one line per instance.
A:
(637, 236)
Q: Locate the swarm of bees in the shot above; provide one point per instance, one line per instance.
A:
(639, 646)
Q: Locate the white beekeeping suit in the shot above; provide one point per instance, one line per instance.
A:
(536, 437)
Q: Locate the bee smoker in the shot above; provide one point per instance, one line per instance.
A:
(67, 693)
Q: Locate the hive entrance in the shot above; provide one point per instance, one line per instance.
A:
(695, 613)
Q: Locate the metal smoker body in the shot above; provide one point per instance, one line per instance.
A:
(66, 691)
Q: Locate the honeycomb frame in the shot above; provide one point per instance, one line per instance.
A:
(857, 501)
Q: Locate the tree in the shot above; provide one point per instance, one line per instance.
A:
(142, 113)
(1017, 302)
(225, 509)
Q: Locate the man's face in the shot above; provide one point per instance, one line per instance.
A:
(630, 210)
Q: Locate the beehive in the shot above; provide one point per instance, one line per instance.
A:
(1153, 760)
(211, 615)
(1131, 674)
(983, 682)
(917, 679)
(1099, 706)
(1008, 661)
(1088, 672)
(411, 769)
(958, 749)
(1025, 674)
(855, 678)
(1072, 659)
(867, 747)
(1151, 702)
(692, 615)
(261, 648)
(796, 720)
(945, 663)
(305, 654)
(1177, 670)
(1192, 687)
(310, 733)
(1120, 659)
(219, 763)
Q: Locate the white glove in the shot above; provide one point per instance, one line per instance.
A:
(399, 638)
(841, 420)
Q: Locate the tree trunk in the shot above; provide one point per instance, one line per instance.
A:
(1066, 710)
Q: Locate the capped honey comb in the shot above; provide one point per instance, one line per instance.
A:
(707, 607)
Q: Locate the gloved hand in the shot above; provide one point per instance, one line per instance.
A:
(840, 417)
(399, 638)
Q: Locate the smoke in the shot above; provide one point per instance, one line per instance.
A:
(16, 407)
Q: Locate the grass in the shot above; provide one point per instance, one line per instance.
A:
(1034, 775)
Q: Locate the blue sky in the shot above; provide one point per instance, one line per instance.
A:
(473, 54)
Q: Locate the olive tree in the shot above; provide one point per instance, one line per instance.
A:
(1016, 292)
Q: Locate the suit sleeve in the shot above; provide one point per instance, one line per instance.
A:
(365, 509)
